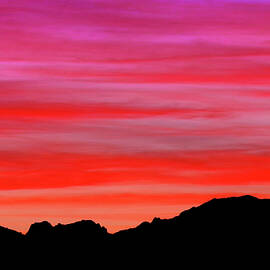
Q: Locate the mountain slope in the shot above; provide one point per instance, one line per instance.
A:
(224, 223)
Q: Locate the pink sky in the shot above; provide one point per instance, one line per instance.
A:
(119, 111)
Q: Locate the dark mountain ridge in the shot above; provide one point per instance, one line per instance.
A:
(221, 228)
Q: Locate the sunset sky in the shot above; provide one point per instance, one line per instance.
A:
(122, 110)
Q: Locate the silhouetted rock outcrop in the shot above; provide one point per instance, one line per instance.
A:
(224, 229)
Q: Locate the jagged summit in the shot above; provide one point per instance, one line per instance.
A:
(39, 228)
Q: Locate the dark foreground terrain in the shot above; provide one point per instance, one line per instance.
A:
(220, 232)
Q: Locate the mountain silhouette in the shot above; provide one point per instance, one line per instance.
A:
(229, 229)
(78, 232)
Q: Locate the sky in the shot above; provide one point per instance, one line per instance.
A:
(119, 111)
